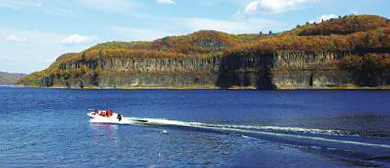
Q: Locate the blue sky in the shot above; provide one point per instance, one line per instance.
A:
(33, 33)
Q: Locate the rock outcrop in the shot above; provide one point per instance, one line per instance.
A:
(142, 72)
(284, 70)
(281, 70)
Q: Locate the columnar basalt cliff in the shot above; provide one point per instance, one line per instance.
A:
(346, 52)
(284, 70)
(140, 72)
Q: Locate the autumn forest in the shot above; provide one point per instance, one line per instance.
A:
(361, 44)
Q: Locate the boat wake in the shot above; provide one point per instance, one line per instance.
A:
(335, 144)
(290, 133)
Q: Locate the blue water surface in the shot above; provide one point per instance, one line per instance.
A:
(50, 128)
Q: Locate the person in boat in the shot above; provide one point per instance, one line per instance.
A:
(109, 113)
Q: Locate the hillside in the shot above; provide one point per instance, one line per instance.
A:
(353, 50)
(10, 78)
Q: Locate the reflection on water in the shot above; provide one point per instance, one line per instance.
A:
(101, 130)
(105, 139)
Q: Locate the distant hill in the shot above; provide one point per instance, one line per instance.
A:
(348, 51)
(10, 78)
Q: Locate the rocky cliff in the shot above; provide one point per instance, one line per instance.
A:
(140, 72)
(284, 70)
(315, 56)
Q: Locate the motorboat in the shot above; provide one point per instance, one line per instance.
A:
(104, 116)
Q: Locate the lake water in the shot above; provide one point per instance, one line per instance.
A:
(195, 128)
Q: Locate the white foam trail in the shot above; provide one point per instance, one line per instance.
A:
(242, 129)
(307, 137)
(270, 128)
(291, 129)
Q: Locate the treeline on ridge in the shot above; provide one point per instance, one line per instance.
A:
(360, 35)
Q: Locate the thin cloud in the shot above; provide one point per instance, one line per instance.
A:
(122, 6)
(77, 39)
(6, 58)
(252, 7)
(179, 26)
(138, 34)
(31, 55)
(327, 17)
(19, 4)
(41, 6)
(274, 6)
(15, 38)
(165, 1)
(324, 18)
(235, 26)
(65, 8)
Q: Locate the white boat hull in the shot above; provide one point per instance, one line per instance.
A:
(95, 118)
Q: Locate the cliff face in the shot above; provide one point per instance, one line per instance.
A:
(349, 51)
(144, 72)
(309, 70)
(284, 70)
(281, 70)
(155, 72)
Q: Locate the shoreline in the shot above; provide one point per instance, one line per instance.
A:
(346, 87)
